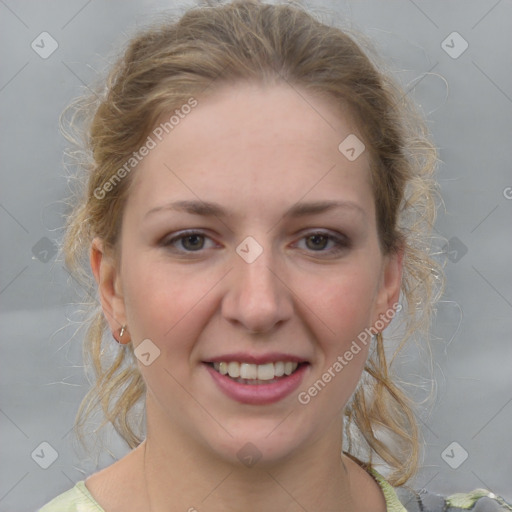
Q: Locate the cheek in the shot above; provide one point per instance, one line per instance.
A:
(344, 303)
(345, 306)
(160, 301)
(166, 306)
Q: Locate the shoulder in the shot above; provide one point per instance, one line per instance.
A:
(404, 499)
(479, 500)
(116, 487)
(77, 499)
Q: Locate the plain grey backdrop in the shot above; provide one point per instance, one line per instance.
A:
(453, 58)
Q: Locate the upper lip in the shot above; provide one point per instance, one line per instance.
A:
(243, 357)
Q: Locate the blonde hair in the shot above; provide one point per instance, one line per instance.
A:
(161, 69)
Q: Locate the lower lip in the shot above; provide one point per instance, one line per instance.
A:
(259, 394)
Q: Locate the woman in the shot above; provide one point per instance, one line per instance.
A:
(257, 213)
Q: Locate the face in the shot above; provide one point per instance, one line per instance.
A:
(248, 241)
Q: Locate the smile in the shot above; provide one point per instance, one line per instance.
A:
(257, 384)
(248, 373)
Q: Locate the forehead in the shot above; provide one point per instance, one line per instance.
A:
(257, 142)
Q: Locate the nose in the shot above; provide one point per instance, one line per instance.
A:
(257, 297)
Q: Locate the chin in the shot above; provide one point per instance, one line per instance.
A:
(260, 442)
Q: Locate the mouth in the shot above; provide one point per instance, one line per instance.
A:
(257, 380)
(256, 374)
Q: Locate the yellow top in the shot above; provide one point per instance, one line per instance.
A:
(79, 499)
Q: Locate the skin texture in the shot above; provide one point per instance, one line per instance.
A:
(256, 151)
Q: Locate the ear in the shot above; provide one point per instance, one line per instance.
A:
(389, 289)
(107, 277)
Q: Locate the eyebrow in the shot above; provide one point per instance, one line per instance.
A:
(210, 209)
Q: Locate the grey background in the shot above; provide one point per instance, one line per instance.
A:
(468, 101)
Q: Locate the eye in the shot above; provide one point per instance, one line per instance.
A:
(189, 241)
(318, 241)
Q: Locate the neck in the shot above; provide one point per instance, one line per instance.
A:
(182, 476)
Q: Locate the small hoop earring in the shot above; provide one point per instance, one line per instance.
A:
(122, 332)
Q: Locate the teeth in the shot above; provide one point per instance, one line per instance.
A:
(266, 371)
(234, 369)
(279, 369)
(250, 371)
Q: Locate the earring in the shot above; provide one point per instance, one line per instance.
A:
(122, 332)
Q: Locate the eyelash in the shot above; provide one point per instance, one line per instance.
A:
(342, 243)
